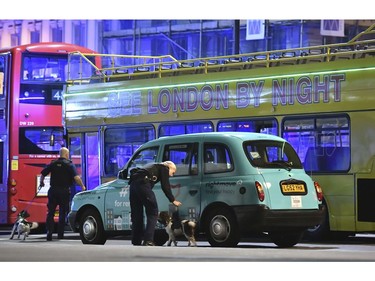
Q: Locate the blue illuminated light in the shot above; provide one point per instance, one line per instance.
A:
(223, 81)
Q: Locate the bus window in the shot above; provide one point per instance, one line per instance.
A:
(75, 145)
(38, 140)
(121, 142)
(266, 126)
(184, 128)
(2, 163)
(4, 74)
(322, 143)
(46, 68)
(41, 94)
(2, 64)
(1, 83)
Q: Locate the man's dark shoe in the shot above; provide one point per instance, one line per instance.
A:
(148, 243)
(60, 237)
(49, 237)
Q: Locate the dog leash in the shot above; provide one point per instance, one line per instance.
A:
(32, 200)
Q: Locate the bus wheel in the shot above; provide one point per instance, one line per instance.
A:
(222, 228)
(91, 228)
(319, 232)
(286, 239)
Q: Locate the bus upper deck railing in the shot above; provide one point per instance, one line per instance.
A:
(125, 67)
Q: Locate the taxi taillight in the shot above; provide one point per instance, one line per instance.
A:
(319, 191)
(260, 191)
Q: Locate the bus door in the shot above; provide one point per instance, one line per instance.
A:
(3, 184)
(75, 148)
(3, 139)
(85, 155)
(92, 167)
(185, 183)
(365, 194)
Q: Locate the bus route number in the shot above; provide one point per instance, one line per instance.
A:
(26, 123)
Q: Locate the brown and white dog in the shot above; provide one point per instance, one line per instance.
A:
(173, 229)
(22, 226)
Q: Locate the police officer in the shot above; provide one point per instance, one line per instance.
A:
(63, 174)
(142, 180)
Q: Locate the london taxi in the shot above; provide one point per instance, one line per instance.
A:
(234, 185)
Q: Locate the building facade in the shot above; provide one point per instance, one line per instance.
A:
(183, 39)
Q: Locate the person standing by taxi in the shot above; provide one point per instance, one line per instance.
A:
(63, 174)
(142, 180)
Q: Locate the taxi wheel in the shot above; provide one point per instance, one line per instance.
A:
(91, 228)
(222, 228)
(286, 239)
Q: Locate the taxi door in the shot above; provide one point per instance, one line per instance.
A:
(185, 183)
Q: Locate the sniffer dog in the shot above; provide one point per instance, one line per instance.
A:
(175, 229)
(22, 226)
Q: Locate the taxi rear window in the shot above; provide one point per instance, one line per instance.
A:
(272, 154)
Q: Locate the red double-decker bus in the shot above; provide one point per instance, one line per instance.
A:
(32, 80)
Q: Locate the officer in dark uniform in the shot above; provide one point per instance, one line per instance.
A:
(63, 174)
(142, 180)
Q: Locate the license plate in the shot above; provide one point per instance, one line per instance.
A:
(293, 188)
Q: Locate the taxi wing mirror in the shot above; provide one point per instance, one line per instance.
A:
(123, 174)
